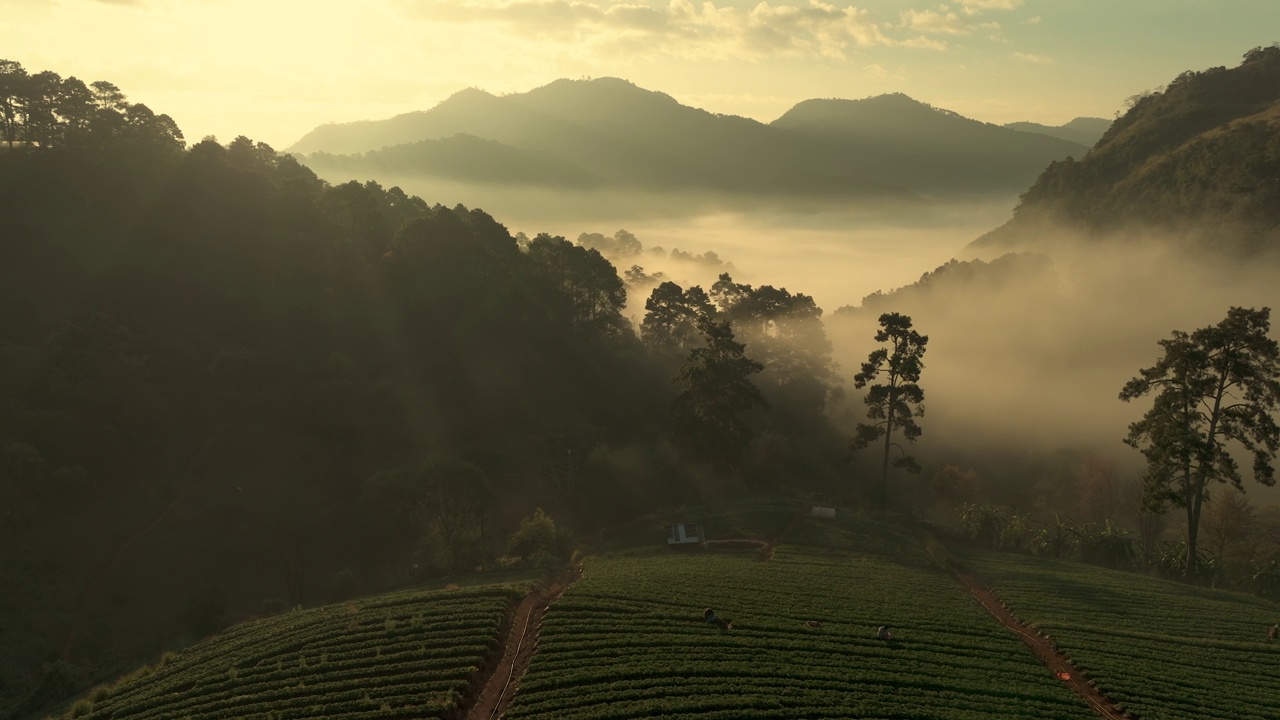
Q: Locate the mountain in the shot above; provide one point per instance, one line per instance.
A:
(907, 142)
(619, 135)
(1085, 131)
(607, 130)
(1199, 161)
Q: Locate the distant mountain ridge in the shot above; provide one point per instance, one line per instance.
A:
(610, 133)
(1198, 162)
(1086, 131)
(911, 143)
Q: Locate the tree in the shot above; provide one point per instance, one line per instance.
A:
(13, 84)
(672, 316)
(895, 403)
(715, 393)
(1217, 385)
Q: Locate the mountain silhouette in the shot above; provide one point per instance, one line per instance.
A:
(611, 133)
(907, 142)
(1086, 131)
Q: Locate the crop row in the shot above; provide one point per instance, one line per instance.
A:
(410, 655)
(1161, 649)
(628, 640)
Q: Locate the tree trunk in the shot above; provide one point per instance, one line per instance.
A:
(1193, 516)
(888, 442)
(1196, 501)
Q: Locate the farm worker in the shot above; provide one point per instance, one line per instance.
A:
(883, 633)
(1274, 632)
(709, 615)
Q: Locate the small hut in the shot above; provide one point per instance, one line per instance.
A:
(685, 534)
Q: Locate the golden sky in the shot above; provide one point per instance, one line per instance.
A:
(273, 70)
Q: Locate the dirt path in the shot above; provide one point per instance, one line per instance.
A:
(1042, 648)
(519, 646)
(764, 546)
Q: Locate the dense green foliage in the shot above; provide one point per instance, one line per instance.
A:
(225, 382)
(1197, 158)
(409, 654)
(1161, 649)
(628, 639)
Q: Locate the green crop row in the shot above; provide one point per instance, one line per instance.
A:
(410, 654)
(1162, 649)
(628, 640)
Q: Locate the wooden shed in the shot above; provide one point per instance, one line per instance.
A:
(685, 534)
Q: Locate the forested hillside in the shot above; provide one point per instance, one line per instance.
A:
(229, 387)
(1198, 161)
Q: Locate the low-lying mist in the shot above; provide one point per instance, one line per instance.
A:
(1025, 357)
(1029, 356)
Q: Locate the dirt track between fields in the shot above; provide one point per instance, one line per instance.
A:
(519, 645)
(1043, 649)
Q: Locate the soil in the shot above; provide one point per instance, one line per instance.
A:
(1044, 650)
(519, 645)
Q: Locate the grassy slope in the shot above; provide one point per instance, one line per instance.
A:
(407, 654)
(1162, 649)
(628, 639)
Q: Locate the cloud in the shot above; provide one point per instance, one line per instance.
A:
(926, 43)
(1033, 20)
(936, 22)
(816, 29)
(1032, 58)
(974, 7)
(944, 22)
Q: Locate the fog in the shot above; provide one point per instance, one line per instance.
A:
(1034, 362)
(1020, 361)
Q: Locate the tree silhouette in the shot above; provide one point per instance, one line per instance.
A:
(1218, 384)
(715, 394)
(895, 403)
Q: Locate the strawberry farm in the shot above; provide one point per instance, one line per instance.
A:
(1161, 649)
(404, 655)
(628, 640)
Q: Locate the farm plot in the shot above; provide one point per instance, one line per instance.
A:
(1161, 649)
(408, 654)
(628, 640)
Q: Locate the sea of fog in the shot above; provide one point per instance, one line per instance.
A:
(1032, 365)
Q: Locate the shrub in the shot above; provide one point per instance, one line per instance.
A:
(536, 535)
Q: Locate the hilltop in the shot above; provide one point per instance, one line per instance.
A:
(1198, 161)
(910, 143)
(1086, 131)
(619, 135)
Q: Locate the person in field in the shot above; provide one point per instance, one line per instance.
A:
(1273, 632)
(883, 633)
(710, 616)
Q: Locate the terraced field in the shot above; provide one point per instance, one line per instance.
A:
(1161, 649)
(628, 639)
(404, 655)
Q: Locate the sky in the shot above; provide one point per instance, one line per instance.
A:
(274, 69)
